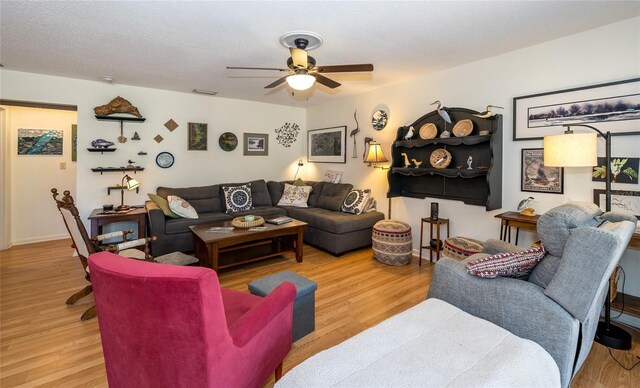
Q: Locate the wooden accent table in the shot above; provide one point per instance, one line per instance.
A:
(515, 220)
(138, 215)
(218, 250)
(432, 223)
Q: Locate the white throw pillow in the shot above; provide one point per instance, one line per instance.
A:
(237, 198)
(357, 201)
(332, 176)
(295, 195)
(181, 207)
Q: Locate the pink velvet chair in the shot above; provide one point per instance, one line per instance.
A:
(171, 326)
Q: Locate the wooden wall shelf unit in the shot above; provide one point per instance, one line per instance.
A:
(117, 169)
(101, 150)
(481, 185)
(121, 120)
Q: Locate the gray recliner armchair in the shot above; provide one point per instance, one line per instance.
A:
(559, 305)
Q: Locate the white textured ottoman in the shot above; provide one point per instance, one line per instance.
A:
(392, 242)
(432, 344)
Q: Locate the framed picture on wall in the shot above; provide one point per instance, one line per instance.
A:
(40, 141)
(623, 170)
(535, 177)
(628, 201)
(613, 107)
(256, 144)
(197, 138)
(327, 145)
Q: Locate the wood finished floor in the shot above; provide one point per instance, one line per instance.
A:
(44, 343)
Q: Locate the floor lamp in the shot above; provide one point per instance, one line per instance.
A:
(580, 150)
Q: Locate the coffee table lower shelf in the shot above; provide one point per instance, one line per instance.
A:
(223, 250)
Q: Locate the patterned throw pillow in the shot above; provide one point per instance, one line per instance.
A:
(332, 176)
(357, 201)
(181, 207)
(237, 198)
(163, 204)
(295, 195)
(509, 264)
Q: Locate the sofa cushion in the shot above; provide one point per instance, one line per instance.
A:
(357, 201)
(544, 271)
(295, 196)
(181, 207)
(332, 176)
(277, 188)
(555, 226)
(237, 198)
(181, 225)
(332, 195)
(205, 199)
(334, 222)
(508, 264)
(259, 192)
(163, 205)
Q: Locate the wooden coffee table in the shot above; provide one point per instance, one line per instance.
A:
(220, 250)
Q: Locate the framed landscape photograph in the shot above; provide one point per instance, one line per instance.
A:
(628, 201)
(623, 170)
(535, 177)
(256, 144)
(327, 145)
(197, 138)
(613, 107)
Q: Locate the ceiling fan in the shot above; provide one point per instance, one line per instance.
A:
(302, 69)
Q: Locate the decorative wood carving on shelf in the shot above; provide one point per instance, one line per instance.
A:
(479, 185)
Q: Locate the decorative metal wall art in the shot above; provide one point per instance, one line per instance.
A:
(287, 134)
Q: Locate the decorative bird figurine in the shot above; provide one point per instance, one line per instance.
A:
(489, 112)
(406, 160)
(409, 133)
(417, 163)
(353, 135)
(443, 113)
(524, 203)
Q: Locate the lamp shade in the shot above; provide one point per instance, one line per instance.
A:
(571, 150)
(301, 81)
(375, 154)
(132, 184)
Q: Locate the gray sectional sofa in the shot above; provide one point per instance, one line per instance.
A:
(329, 228)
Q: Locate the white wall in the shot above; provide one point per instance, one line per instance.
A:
(605, 54)
(192, 168)
(34, 216)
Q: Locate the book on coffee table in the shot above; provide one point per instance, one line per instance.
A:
(279, 220)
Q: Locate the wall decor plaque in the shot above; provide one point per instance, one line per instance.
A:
(171, 125)
(197, 137)
(228, 141)
(287, 134)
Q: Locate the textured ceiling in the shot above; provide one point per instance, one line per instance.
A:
(186, 45)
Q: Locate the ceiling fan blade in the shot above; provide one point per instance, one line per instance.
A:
(328, 82)
(276, 82)
(299, 57)
(345, 68)
(255, 68)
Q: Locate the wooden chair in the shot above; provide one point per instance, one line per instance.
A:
(85, 246)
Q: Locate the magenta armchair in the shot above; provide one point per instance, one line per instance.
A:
(171, 326)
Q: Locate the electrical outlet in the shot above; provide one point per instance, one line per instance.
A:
(63, 165)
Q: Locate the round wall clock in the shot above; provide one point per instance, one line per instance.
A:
(228, 141)
(379, 120)
(165, 159)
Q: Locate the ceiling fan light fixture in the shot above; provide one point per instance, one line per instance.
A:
(301, 81)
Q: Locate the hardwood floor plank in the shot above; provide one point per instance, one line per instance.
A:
(44, 343)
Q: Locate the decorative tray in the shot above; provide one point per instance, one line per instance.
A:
(239, 222)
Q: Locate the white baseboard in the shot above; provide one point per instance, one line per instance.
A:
(39, 239)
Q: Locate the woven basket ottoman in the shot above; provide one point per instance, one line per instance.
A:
(459, 248)
(392, 242)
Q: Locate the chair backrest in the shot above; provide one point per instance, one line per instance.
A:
(161, 325)
(75, 227)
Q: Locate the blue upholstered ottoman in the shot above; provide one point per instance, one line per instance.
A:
(304, 305)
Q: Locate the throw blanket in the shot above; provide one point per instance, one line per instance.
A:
(432, 344)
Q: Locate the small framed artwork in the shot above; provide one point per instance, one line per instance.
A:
(74, 142)
(535, 177)
(327, 145)
(40, 141)
(628, 201)
(256, 144)
(197, 140)
(623, 170)
(612, 106)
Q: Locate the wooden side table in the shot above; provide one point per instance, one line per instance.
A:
(433, 224)
(138, 215)
(515, 220)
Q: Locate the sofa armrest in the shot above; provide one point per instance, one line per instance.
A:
(492, 247)
(156, 219)
(516, 305)
(259, 316)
